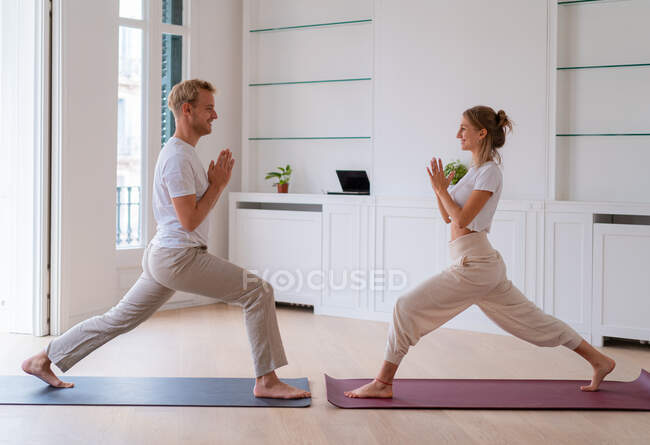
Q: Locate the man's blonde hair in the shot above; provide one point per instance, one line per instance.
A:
(186, 92)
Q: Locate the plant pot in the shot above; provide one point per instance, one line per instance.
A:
(283, 188)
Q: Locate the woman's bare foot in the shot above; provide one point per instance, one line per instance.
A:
(270, 386)
(601, 369)
(39, 366)
(373, 389)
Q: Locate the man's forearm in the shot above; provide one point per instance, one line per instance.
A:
(206, 203)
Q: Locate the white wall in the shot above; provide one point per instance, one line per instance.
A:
(89, 274)
(429, 61)
(433, 60)
(219, 61)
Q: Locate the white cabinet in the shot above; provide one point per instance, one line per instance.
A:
(283, 247)
(345, 259)
(355, 256)
(411, 246)
(621, 282)
(568, 269)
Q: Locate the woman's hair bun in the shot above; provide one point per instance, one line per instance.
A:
(502, 118)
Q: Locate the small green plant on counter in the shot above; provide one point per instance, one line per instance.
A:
(459, 168)
(281, 176)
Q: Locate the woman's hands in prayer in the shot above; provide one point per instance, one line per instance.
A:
(439, 181)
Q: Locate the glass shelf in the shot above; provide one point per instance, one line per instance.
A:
(311, 26)
(602, 66)
(307, 138)
(308, 81)
(577, 1)
(601, 134)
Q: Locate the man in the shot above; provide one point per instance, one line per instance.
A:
(177, 257)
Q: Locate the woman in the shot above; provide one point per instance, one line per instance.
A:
(478, 274)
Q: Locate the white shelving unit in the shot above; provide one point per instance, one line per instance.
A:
(308, 91)
(371, 84)
(599, 164)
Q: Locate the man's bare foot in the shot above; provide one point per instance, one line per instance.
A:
(271, 386)
(39, 366)
(373, 389)
(601, 369)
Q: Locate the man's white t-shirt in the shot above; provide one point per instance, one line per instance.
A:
(486, 177)
(179, 172)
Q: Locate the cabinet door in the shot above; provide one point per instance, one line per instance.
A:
(507, 235)
(345, 265)
(284, 248)
(621, 281)
(411, 246)
(569, 269)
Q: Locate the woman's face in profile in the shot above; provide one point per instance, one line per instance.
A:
(469, 136)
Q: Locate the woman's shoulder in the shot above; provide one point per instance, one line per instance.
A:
(489, 167)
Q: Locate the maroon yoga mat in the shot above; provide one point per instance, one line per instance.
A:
(498, 394)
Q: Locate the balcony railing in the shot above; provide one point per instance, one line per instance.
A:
(128, 217)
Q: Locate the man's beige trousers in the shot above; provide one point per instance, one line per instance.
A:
(191, 270)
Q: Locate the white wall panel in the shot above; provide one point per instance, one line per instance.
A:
(603, 169)
(322, 53)
(433, 60)
(603, 100)
(275, 13)
(603, 33)
(312, 110)
(314, 163)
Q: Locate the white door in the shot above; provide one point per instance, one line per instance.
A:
(621, 282)
(85, 79)
(23, 166)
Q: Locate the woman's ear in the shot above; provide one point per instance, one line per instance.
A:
(482, 133)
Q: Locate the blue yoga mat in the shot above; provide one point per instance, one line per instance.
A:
(140, 391)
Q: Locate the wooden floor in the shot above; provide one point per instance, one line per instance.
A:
(210, 341)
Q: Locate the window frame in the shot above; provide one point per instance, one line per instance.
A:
(153, 30)
(144, 26)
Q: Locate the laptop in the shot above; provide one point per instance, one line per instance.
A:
(353, 182)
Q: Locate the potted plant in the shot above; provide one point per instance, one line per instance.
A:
(458, 167)
(282, 176)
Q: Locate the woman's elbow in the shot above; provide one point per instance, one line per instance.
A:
(460, 223)
(188, 225)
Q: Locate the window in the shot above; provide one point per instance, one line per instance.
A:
(138, 66)
(130, 137)
(172, 61)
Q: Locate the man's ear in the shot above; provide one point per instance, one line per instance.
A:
(186, 108)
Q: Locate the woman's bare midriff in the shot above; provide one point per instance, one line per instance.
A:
(457, 232)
